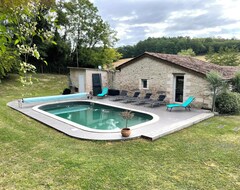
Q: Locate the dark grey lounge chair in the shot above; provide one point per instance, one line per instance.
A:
(132, 98)
(143, 100)
(122, 96)
(158, 102)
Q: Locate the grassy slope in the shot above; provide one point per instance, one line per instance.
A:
(201, 57)
(34, 156)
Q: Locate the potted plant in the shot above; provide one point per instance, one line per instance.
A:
(126, 115)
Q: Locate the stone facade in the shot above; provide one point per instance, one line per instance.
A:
(160, 76)
(87, 76)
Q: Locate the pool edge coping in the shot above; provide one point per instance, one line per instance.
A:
(116, 136)
(82, 127)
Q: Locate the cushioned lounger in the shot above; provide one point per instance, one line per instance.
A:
(122, 96)
(131, 99)
(104, 92)
(143, 100)
(185, 105)
(157, 102)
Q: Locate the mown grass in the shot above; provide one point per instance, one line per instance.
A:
(34, 156)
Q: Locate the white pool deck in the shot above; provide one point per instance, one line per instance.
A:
(168, 122)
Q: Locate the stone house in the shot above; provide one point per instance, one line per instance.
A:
(177, 76)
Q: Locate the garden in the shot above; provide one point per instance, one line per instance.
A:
(34, 156)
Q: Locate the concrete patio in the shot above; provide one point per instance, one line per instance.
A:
(167, 123)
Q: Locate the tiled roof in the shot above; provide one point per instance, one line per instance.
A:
(121, 61)
(118, 63)
(191, 63)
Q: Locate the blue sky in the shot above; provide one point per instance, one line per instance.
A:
(136, 20)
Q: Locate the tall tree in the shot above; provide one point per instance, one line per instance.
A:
(216, 84)
(85, 28)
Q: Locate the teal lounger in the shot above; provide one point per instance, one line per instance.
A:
(185, 104)
(104, 92)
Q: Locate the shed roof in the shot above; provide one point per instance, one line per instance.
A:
(187, 62)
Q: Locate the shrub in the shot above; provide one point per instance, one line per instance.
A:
(228, 103)
(236, 82)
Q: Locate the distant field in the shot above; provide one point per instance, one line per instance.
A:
(201, 57)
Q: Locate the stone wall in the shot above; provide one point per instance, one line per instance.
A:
(74, 76)
(160, 76)
(87, 73)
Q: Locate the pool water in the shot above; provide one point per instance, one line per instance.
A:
(94, 116)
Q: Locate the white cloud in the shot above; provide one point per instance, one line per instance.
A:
(124, 18)
(135, 20)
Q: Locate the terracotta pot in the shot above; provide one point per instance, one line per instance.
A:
(126, 132)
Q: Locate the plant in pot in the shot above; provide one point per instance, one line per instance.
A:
(126, 115)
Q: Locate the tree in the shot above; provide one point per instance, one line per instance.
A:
(226, 56)
(126, 51)
(18, 29)
(216, 84)
(173, 45)
(85, 29)
(188, 52)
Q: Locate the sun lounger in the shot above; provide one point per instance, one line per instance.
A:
(132, 98)
(104, 92)
(185, 104)
(144, 100)
(159, 101)
(122, 96)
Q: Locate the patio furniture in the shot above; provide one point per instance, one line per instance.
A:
(104, 92)
(113, 92)
(185, 104)
(159, 101)
(144, 100)
(128, 99)
(123, 95)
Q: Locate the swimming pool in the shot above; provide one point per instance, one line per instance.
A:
(92, 116)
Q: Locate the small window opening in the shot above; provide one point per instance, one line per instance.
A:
(144, 83)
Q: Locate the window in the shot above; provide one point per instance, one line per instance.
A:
(144, 83)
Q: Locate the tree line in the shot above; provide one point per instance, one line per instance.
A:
(49, 36)
(174, 45)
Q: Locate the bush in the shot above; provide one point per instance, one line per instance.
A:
(236, 82)
(228, 103)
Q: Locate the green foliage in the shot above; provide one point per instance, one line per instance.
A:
(188, 52)
(19, 22)
(8, 61)
(226, 56)
(236, 82)
(92, 57)
(216, 84)
(228, 103)
(127, 51)
(85, 29)
(173, 45)
(110, 55)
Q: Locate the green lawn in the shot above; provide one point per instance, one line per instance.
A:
(34, 156)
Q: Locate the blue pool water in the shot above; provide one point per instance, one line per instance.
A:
(94, 116)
